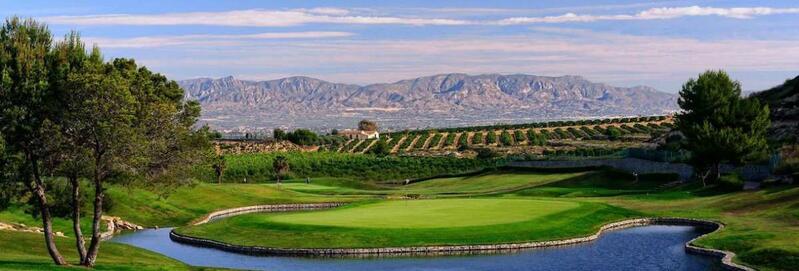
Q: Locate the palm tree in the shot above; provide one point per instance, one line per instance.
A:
(281, 166)
(219, 167)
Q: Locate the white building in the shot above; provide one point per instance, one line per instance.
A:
(359, 134)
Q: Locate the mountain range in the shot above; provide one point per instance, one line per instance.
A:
(452, 99)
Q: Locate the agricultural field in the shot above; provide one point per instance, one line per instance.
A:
(621, 131)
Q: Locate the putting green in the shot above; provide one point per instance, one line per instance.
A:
(440, 213)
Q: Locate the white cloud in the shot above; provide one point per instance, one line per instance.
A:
(263, 18)
(208, 40)
(293, 17)
(656, 14)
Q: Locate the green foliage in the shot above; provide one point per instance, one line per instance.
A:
(463, 140)
(280, 165)
(450, 140)
(718, 124)
(491, 137)
(380, 148)
(505, 138)
(361, 147)
(422, 139)
(519, 136)
(359, 166)
(613, 133)
(279, 134)
(477, 138)
(434, 141)
(303, 137)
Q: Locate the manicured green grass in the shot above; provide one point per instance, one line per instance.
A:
(429, 213)
(350, 227)
(25, 251)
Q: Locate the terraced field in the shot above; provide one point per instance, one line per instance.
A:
(534, 134)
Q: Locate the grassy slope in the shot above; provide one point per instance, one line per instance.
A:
(189, 203)
(25, 251)
(762, 227)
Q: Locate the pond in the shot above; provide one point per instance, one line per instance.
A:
(641, 248)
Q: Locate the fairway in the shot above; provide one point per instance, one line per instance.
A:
(430, 213)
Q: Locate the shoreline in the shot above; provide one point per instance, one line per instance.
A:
(724, 256)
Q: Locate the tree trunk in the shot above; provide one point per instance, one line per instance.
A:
(76, 204)
(94, 245)
(37, 190)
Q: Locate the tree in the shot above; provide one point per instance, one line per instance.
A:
(380, 148)
(367, 125)
(505, 138)
(25, 108)
(303, 137)
(219, 167)
(279, 134)
(613, 133)
(491, 137)
(719, 125)
(281, 166)
(68, 114)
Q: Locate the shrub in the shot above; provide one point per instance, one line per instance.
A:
(477, 138)
(491, 137)
(505, 138)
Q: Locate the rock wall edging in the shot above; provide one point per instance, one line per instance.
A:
(725, 256)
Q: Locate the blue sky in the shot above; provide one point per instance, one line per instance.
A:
(625, 43)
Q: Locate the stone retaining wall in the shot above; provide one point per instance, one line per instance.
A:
(725, 256)
(265, 209)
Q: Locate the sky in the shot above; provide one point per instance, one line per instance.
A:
(624, 43)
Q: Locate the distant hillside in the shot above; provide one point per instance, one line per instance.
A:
(783, 100)
(230, 102)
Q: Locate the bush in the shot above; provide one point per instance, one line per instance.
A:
(505, 138)
(477, 138)
(303, 137)
(491, 137)
(380, 148)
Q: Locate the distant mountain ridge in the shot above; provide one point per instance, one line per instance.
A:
(490, 94)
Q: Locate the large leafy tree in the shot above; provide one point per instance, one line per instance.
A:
(719, 125)
(26, 107)
(66, 113)
(135, 126)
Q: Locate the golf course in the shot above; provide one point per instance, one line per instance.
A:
(525, 205)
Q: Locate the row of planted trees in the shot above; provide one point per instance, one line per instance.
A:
(507, 137)
(67, 115)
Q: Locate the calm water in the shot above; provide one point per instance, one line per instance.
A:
(641, 248)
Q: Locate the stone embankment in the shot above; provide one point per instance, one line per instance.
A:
(725, 256)
(265, 209)
(25, 228)
(115, 224)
